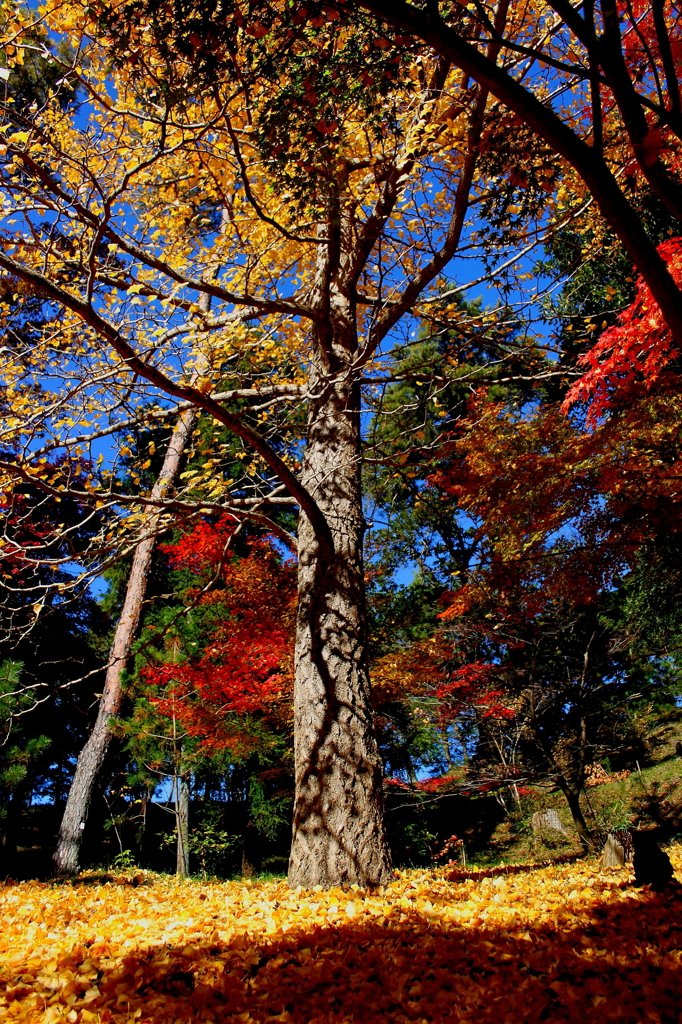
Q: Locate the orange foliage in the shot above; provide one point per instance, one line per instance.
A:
(597, 775)
(539, 484)
(410, 671)
(425, 669)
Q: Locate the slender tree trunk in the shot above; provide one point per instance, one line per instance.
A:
(338, 831)
(250, 851)
(92, 755)
(573, 801)
(182, 823)
(142, 831)
(446, 747)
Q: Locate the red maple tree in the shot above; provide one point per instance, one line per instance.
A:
(633, 357)
(244, 668)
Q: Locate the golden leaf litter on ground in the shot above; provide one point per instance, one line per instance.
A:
(558, 944)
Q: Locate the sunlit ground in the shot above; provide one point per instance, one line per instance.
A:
(557, 944)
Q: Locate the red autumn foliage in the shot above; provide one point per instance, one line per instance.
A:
(245, 667)
(426, 669)
(560, 511)
(633, 356)
(433, 785)
(642, 41)
(470, 687)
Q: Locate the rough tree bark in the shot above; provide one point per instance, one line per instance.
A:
(338, 831)
(91, 758)
(182, 824)
(614, 854)
(573, 800)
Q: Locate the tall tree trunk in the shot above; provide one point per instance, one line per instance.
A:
(338, 831)
(91, 758)
(182, 823)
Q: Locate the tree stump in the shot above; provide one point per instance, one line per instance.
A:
(614, 853)
(548, 818)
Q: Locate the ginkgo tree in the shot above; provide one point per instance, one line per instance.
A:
(241, 210)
